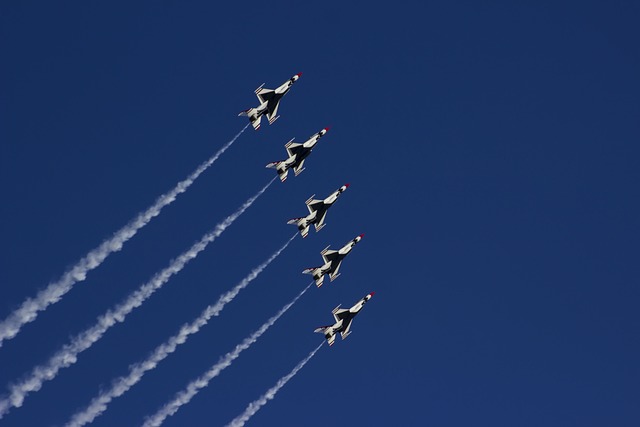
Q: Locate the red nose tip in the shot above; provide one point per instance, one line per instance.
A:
(299, 74)
(371, 294)
(361, 236)
(327, 128)
(347, 185)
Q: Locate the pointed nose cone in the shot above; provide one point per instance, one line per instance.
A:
(369, 295)
(347, 185)
(361, 236)
(299, 75)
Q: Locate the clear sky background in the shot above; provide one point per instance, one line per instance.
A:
(492, 152)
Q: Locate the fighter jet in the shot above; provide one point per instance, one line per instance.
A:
(343, 320)
(269, 102)
(332, 261)
(317, 212)
(297, 153)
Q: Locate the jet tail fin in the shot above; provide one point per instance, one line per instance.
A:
(273, 165)
(309, 270)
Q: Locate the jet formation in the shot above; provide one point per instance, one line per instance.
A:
(297, 154)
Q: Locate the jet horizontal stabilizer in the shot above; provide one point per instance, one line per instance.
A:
(259, 88)
(294, 220)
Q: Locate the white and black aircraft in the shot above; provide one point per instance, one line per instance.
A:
(317, 212)
(297, 154)
(269, 102)
(332, 261)
(343, 321)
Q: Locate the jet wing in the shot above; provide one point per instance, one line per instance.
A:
(333, 271)
(272, 110)
(314, 204)
(329, 256)
(265, 95)
(347, 328)
(294, 148)
(320, 221)
(299, 167)
(340, 314)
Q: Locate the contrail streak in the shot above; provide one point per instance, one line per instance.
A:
(185, 396)
(270, 394)
(28, 310)
(121, 385)
(69, 353)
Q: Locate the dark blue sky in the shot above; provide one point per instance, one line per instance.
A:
(492, 152)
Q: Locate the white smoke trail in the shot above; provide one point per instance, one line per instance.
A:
(69, 353)
(255, 406)
(28, 310)
(185, 396)
(121, 385)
